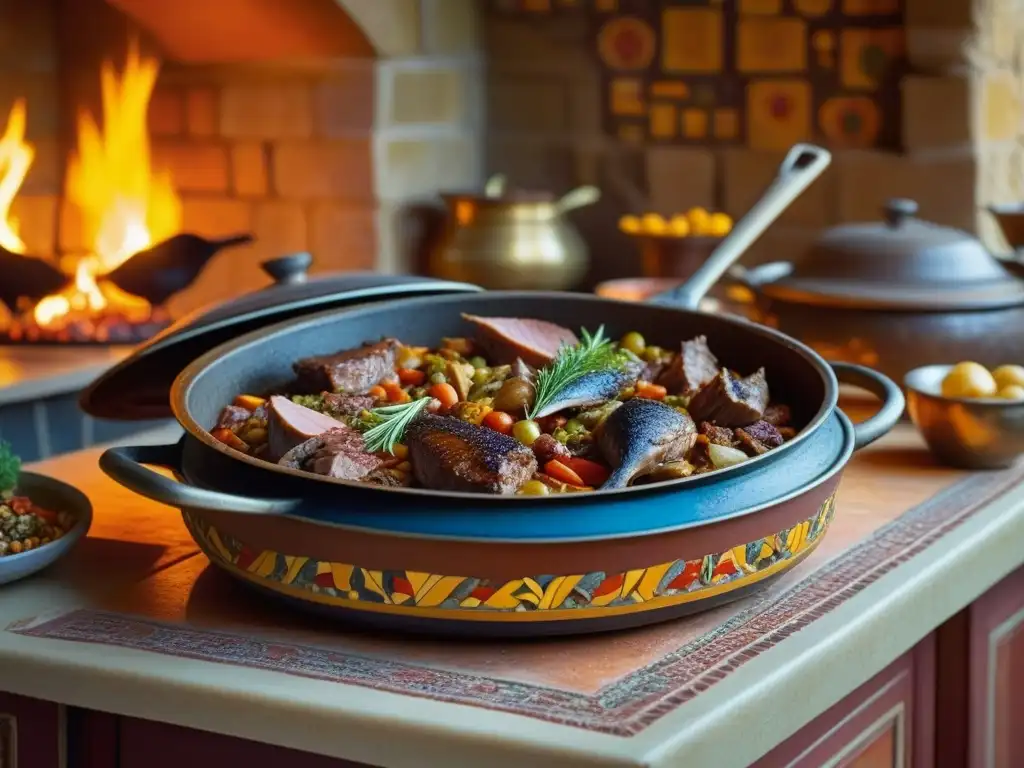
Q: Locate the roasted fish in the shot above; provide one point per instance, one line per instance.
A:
(589, 389)
(640, 435)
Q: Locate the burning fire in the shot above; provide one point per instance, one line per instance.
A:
(125, 205)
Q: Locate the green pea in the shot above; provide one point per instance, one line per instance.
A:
(572, 426)
(634, 342)
(477, 362)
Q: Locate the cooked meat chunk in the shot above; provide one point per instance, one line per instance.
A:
(717, 435)
(389, 478)
(535, 342)
(765, 432)
(777, 415)
(546, 448)
(729, 401)
(449, 454)
(691, 369)
(353, 371)
(233, 417)
(337, 453)
(640, 435)
(652, 371)
(346, 405)
(290, 424)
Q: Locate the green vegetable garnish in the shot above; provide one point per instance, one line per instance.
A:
(387, 424)
(593, 353)
(10, 468)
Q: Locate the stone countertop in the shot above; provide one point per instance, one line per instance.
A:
(36, 372)
(139, 567)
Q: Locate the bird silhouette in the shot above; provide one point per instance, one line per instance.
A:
(27, 277)
(170, 266)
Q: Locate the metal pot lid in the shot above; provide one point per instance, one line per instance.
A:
(139, 386)
(900, 263)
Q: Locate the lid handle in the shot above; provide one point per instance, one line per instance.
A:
(897, 210)
(290, 269)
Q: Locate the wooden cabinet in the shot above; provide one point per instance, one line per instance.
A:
(888, 721)
(31, 733)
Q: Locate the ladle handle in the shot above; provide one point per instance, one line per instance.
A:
(127, 466)
(802, 165)
(578, 198)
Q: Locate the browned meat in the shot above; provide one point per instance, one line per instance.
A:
(346, 405)
(546, 448)
(389, 478)
(652, 371)
(765, 432)
(352, 371)
(777, 414)
(699, 456)
(290, 424)
(232, 417)
(536, 342)
(728, 401)
(640, 435)
(691, 369)
(718, 435)
(787, 433)
(337, 453)
(449, 454)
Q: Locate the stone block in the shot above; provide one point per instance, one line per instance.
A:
(536, 164)
(527, 104)
(215, 216)
(450, 26)
(562, 45)
(425, 95)
(931, 50)
(411, 169)
(343, 237)
(392, 26)
(42, 96)
(937, 112)
(944, 187)
(36, 217)
(273, 110)
(201, 111)
(280, 227)
(680, 178)
(166, 114)
(344, 102)
(194, 166)
(249, 169)
(1000, 106)
(939, 14)
(46, 174)
(746, 174)
(340, 170)
(28, 37)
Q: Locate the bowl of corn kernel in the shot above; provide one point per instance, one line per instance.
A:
(675, 245)
(969, 416)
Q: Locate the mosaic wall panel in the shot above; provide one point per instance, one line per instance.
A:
(760, 73)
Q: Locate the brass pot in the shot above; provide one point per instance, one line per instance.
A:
(515, 242)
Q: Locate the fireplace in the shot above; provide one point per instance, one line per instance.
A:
(283, 125)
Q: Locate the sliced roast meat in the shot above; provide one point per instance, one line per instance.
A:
(449, 454)
(346, 405)
(536, 342)
(640, 435)
(290, 424)
(546, 448)
(232, 417)
(717, 435)
(338, 453)
(777, 415)
(728, 401)
(352, 371)
(691, 369)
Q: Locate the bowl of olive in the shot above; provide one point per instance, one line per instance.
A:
(969, 416)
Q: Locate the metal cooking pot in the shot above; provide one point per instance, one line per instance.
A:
(894, 295)
(429, 560)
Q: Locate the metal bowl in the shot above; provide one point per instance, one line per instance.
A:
(982, 433)
(60, 497)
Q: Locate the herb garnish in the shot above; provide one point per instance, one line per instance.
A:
(389, 423)
(10, 468)
(595, 352)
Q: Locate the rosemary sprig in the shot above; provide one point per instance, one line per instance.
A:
(389, 424)
(595, 352)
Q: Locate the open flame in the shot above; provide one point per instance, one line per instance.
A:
(125, 207)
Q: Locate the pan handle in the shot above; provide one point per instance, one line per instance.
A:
(888, 416)
(802, 165)
(127, 466)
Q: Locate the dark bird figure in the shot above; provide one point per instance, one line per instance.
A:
(169, 267)
(27, 277)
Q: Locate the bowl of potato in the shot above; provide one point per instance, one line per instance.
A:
(970, 417)
(675, 245)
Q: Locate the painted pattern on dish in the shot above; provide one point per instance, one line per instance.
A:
(666, 583)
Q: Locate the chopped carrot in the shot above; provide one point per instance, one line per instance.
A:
(446, 394)
(650, 391)
(230, 439)
(377, 392)
(411, 376)
(560, 471)
(394, 391)
(589, 471)
(499, 421)
(249, 402)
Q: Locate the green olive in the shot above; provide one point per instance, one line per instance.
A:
(634, 342)
(477, 362)
(534, 488)
(514, 396)
(438, 378)
(526, 431)
(652, 354)
(572, 426)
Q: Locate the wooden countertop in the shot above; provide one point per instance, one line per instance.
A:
(139, 571)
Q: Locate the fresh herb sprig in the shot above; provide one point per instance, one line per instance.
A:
(595, 352)
(387, 424)
(10, 469)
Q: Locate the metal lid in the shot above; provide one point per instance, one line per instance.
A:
(139, 386)
(900, 263)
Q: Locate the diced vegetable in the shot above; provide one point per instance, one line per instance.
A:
(560, 471)
(477, 362)
(534, 488)
(249, 402)
(590, 472)
(410, 376)
(410, 357)
(377, 392)
(652, 354)
(463, 347)
(499, 421)
(400, 451)
(458, 378)
(594, 417)
(474, 413)
(395, 392)
(526, 431)
(446, 394)
(634, 342)
(650, 391)
(230, 439)
(724, 456)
